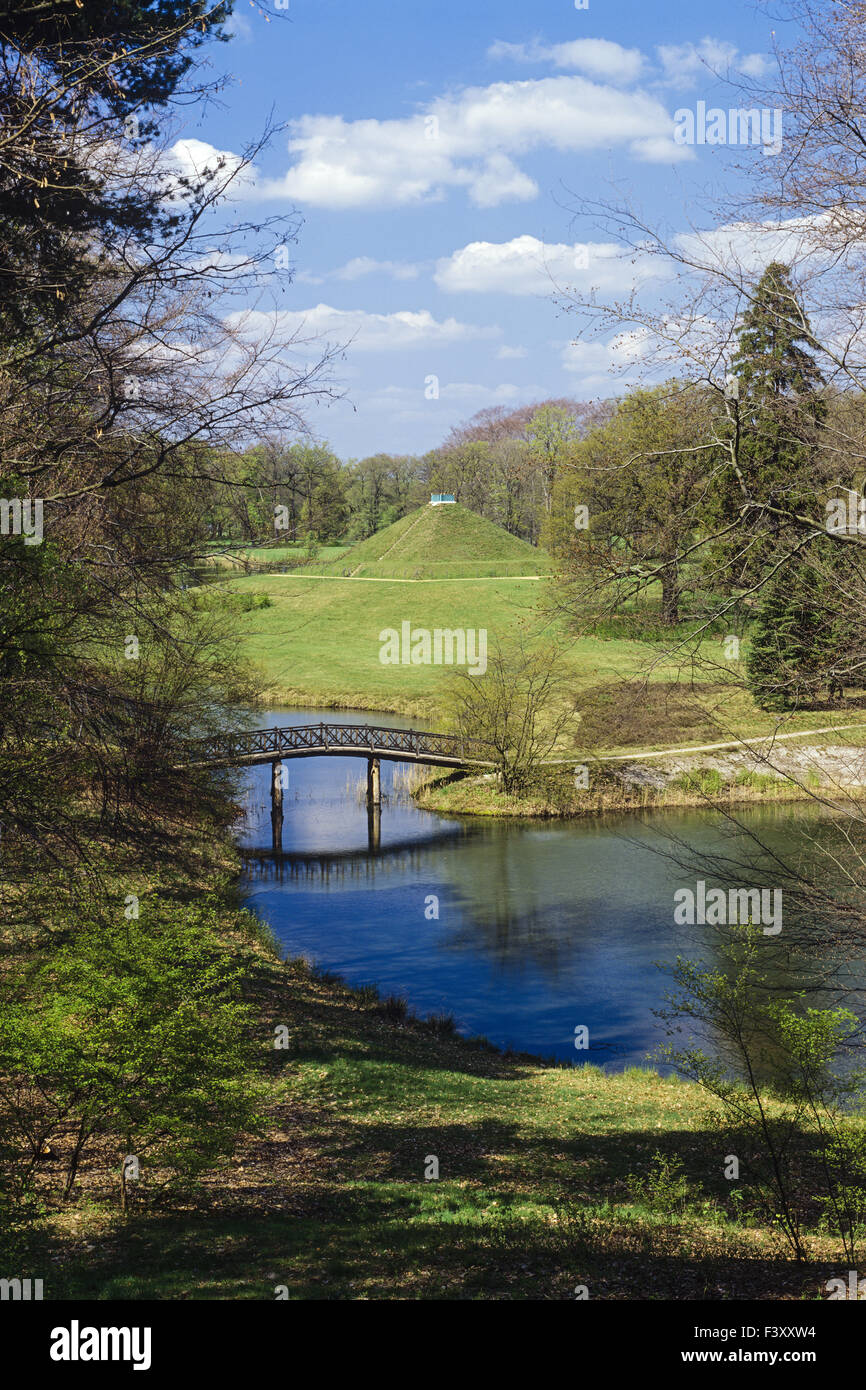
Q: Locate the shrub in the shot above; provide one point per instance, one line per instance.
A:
(782, 1101)
(663, 1190)
(137, 1033)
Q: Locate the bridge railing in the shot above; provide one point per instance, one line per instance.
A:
(257, 743)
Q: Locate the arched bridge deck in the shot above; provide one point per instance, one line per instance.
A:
(338, 740)
(370, 741)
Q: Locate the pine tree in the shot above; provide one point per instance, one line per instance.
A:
(806, 639)
(779, 384)
(780, 656)
(779, 411)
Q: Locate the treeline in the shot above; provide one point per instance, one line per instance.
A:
(501, 464)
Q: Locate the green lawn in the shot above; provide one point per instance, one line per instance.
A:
(319, 641)
(318, 645)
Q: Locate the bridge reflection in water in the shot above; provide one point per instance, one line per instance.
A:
(373, 742)
(341, 866)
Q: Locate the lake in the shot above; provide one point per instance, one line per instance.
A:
(542, 927)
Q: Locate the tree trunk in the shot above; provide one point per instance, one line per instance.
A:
(670, 596)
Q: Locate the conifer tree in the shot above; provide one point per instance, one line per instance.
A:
(806, 642)
(776, 411)
(779, 399)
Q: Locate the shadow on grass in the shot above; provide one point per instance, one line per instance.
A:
(534, 1224)
(383, 1249)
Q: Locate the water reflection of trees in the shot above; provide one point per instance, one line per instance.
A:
(818, 961)
(577, 902)
(503, 893)
(822, 946)
(513, 910)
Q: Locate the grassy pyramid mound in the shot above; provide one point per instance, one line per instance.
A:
(445, 542)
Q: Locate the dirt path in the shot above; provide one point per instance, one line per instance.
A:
(639, 755)
(369, 579)
(736, 743)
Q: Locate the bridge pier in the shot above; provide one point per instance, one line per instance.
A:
(374, 783)
(374, 827)
(277, 805)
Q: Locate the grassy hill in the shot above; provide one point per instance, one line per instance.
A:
(447, 542)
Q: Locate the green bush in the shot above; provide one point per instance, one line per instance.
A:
(783, 1105)
(135, 1032)
(664, 1190)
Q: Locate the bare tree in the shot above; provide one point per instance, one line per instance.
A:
(517, 706)
(802, 209)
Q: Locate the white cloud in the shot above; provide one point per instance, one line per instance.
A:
(468, 140)
(365, 332)
(225, 263)
(526, 265)
(195, 158)
(597, 359)
(239, 28)
(500, 181)
(750, 246)
(359, 267)
(409, 404)
(684, 64)
(471, 391)
(200, 162)
(641, 353)
(595, 57)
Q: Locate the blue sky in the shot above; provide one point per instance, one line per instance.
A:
(432, 154)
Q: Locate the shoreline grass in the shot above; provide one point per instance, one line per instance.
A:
(473, 797)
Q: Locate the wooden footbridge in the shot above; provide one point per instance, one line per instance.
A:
(373, 742)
